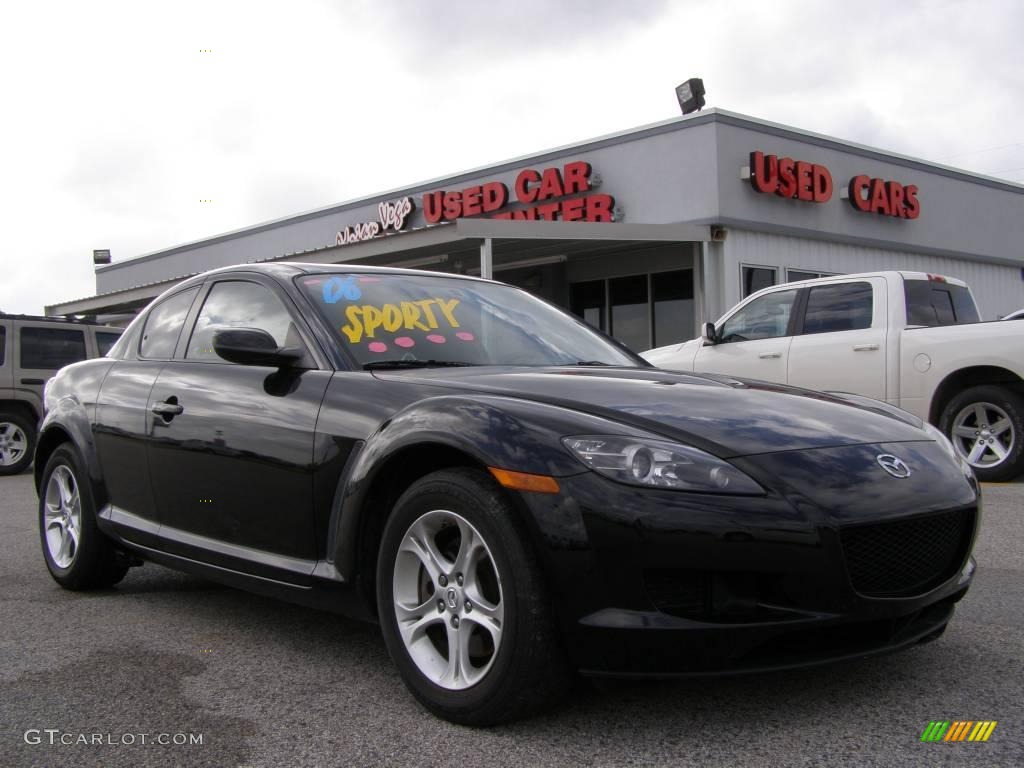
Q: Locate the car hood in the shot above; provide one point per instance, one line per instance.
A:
(728, 416)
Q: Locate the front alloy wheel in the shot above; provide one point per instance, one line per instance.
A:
(447, 599)
(17, 442)
(462, 604)
(986, 426)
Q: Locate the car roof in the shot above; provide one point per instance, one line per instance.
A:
(286, 269)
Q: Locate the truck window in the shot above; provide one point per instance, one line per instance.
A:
(766, 317)
(842, 307)
(105, 340)
(51, 348)
(933, 303)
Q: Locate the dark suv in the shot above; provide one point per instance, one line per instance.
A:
(32, 349)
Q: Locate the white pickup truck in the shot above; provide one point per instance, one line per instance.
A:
(911, 339)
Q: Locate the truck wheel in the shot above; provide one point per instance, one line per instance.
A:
(77, 553)
(462, 603)
(17, 443)
(986, 426)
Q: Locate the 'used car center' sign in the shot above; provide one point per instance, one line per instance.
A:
(550, 194)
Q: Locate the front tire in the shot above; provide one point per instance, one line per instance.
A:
(986, 427)
(462, 605)
(77, 554)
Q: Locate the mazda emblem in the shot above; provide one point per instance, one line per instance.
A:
(453, 598)
(894, 465)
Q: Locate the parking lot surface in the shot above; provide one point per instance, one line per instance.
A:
(167, 657)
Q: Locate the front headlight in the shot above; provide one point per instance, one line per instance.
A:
(936, 434)
(660, 464)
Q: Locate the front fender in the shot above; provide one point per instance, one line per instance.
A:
(494, 431)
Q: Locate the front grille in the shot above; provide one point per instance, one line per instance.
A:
(679, 592)
(906, 557)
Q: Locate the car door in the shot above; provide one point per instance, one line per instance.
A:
(231, 454)
(840, 341)
(121, 425)
(754, 341)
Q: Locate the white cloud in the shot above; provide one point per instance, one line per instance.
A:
(117, 125)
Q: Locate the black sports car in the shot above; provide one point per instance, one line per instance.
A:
(511, 494)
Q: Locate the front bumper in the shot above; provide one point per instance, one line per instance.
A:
(652, 582)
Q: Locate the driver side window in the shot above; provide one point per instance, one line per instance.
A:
(240, 304)
(763, 318)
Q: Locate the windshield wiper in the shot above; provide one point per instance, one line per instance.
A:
(591, 362)
(377, 364)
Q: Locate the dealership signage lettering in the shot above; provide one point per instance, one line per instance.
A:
(812, 182)
(563, 193)
(392, 215)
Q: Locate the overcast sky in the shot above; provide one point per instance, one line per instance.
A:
(118, 122)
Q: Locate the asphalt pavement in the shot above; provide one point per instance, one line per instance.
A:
(172, 658)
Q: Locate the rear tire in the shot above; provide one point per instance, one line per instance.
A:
(986, 427)
(17, 443)
(475, 643)
(77, 554)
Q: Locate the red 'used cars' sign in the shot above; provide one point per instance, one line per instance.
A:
(787, 177)
(889, 198)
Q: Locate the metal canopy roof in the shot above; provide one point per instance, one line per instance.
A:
(461, 240)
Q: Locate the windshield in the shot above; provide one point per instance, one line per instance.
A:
(380, 318)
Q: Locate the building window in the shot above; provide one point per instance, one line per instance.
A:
(641, 311)
(587, 300)
(756, 278)
(630, 311)
(793, 275)
(673, 306)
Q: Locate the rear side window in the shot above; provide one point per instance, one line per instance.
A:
(933, 303)
(51, 347)
(105, 340)
(842, 307)
(163, 325)
(3, 344)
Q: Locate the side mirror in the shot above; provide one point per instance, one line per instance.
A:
(708, 334)
(253, 346)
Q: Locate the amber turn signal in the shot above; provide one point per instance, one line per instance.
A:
(522, 481)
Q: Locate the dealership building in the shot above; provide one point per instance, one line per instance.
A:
(648, 232)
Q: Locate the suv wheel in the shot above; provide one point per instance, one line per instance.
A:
(17, 443)
(986, 426)
(77, 554)
(462, 605)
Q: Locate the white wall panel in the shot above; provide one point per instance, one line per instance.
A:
(997, 288)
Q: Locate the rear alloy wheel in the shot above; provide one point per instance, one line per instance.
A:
(462, 604)
(17, 443)
(77, 553)
(986, 427)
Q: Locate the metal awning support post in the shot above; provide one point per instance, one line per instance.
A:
(486, 259)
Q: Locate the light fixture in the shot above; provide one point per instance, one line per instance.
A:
(690, 95)
(101, 256)
(535, 262)
(423, 261)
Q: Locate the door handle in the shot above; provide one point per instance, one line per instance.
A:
(32, 381)
(769, 355)
(167, 409)
(865, 347)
